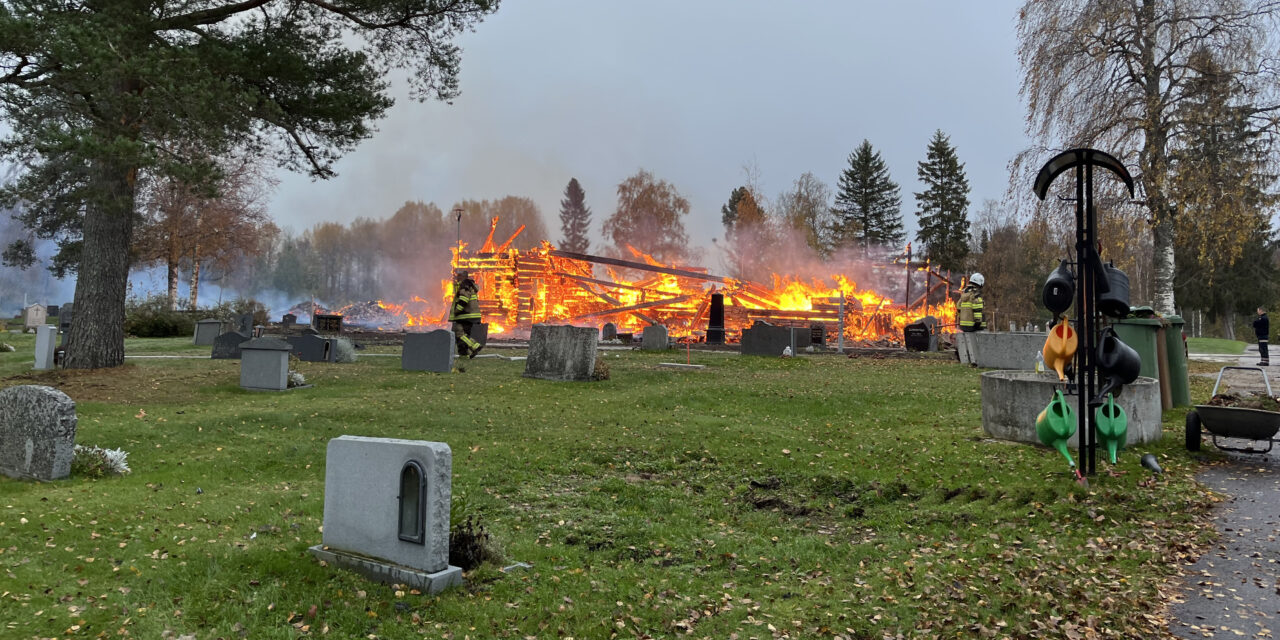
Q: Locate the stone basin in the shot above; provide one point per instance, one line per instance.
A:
(1011, 400)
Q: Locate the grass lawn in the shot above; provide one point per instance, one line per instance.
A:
(758, 498)
(1215, 345)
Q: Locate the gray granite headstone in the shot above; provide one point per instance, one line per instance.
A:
(655, 338)
(46, 343)
(244, 323)
(480, 332)
(264, 364)
(288, 320)
(312, 348)
(430, 351)
(207, 331)
(386, 510)
(562, 352)
(37, 432)
(227, 345)
(609, 331)
(64, 320)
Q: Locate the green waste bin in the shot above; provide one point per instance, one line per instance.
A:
(1141, 334)
(1179, 382)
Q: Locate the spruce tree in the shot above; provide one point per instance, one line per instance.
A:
(729, 210)
(575, 218)
(868, 205)
(943, 205)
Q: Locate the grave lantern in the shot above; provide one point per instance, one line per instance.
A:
(413, 495)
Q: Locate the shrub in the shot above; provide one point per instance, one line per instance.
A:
(152, 318)
(96, 462)
(470, 545)
(343, 350)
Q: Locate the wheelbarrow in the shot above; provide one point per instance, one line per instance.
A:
(1234, 422)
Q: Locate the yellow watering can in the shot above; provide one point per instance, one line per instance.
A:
(1056, 424)
(1060, 347)
(1112, 424)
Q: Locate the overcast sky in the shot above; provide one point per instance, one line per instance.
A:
(692, 91)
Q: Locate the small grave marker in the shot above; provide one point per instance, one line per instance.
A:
(561, 352)
(227, 345)
(656, 338)
(264, 364)
(431, 351)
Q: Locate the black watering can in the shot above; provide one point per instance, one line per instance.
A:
(1117, 362)
(1114, 299)
(1059, 289)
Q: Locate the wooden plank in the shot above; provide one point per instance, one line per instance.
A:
(634, 307)
(684, 273)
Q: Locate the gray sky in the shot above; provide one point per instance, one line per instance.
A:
(693, 92)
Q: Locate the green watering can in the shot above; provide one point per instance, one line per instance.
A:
(1113, 425)
(1056, 424)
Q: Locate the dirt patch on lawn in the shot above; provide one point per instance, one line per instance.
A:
(130, 383)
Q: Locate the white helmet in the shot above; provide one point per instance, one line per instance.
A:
(978, 279)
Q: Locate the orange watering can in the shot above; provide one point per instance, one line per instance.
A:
(1060, 347)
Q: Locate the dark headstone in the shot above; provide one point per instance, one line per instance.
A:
(921, 335)
(764, 339)
(53, 310)
(561, 352)
(311, 348)
(480, 333)
(327, 323)
(609, 331)
(207, 331)
(715, 320)
(288, 320)
(64, 321)
(37, 432)
(430, 351)
(227, 345)
(244, 323)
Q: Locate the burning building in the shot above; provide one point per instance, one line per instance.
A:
(545, 285)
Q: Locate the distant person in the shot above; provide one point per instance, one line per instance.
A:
(1262, 329)
(971, 304)
(464, 313)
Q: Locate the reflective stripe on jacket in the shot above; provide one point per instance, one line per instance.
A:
(971, 308)
(466, 303)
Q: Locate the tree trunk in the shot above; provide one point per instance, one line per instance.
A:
(1162, 255)
(1229, 324)
(96, 337)
(172, 263)
(195, 266)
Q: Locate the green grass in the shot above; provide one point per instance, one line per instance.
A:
(1215, 345)
(809, 497)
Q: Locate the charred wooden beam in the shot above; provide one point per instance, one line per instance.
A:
(614, 301)
(634, 307)
(629, 264)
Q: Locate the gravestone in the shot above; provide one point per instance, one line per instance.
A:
(311, 348)
(264, 364)
(46, 343)
(764, 339)
(386, 511)
(64, 321)
(227, 345)
(480, 333)
(33, 316)
(52, 310)
(207, 331)
(244, 323)
(655, 338)
(37, 432)
(430, 351)
(715, 320)
(327, 322)
(288, 320)
(561, 352)
(609, 331)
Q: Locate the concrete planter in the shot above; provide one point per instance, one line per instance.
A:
(1011, 400)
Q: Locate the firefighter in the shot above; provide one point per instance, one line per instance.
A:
(464, 313)
(971, 304)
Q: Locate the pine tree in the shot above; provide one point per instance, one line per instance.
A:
(943, 205)
(575, 218)
(868, 205)
(729, 210)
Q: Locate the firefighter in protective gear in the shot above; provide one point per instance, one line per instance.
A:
(971, 304)
(464, 313)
